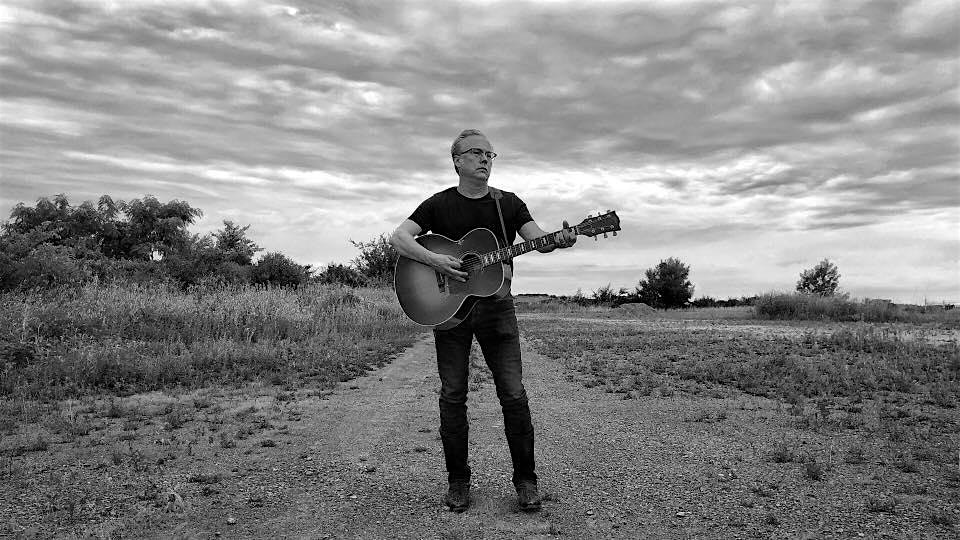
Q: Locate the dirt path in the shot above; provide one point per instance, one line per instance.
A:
(366, 462)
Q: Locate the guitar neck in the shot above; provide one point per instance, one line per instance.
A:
(507, 253)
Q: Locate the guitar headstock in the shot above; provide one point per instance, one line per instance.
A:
(602, 224)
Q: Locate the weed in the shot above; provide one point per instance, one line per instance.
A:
(878, 504)
(855, 455)
(813, 470)
(202, 402)
(175, 418)
(942, 517)
(762, 491)
(782, 453)
(227, 442)
(907, 465)
(205, 478)
(114, 410)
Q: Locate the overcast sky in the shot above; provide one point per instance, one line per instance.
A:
(748, 139)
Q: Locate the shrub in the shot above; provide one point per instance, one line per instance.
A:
(339, 274)
(780, 306)
(377, 259)
(278, 269)
(51, 266)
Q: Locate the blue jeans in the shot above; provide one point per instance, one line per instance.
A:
(494, 323)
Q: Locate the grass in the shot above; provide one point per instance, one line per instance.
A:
(848, 362)
(794, 306)
(125, 338)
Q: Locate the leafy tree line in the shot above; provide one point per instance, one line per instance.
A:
(664, 286)
(55, 243)
(668, 286)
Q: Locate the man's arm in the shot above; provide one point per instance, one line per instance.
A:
(565, 238)
(404, 242)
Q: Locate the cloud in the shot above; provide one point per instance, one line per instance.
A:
(697, 121)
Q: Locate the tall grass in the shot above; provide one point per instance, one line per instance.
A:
(793, 306)
(127, 337)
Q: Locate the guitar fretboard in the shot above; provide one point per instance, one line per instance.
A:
(509, 252)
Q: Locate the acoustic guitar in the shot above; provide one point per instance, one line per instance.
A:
(431, 298)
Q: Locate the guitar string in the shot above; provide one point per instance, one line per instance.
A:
(471, 266)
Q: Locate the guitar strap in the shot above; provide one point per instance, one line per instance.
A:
(497, 195)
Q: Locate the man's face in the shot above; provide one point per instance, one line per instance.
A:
(476, 157)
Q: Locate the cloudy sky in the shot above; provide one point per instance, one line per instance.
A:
(748, 139)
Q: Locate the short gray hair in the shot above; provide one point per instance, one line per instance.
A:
(455, 147)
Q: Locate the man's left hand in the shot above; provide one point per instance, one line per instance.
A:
(565, 237)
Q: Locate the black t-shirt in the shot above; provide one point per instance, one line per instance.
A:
(451, 214)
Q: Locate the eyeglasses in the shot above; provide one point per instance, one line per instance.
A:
(479, 152)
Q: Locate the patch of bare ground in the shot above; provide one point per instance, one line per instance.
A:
(667, 450)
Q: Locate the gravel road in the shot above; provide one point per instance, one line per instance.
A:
(366, 462)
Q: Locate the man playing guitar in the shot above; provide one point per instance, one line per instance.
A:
(453, 213)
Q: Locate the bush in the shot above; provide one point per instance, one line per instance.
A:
(376, 260)
(794, 306)
(129, 271)
(278, 269)
(781, 306)
(340, 274)
(52, 266)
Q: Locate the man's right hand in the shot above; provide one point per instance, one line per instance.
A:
(448, 265)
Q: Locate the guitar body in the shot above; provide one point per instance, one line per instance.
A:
(433, 299)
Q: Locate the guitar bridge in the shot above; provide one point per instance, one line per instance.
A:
(441, 282)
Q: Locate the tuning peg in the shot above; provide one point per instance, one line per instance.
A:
(609, 210)
(604, 235)
(614, 233)
(595, 239)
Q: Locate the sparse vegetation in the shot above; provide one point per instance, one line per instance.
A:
(885, 504)
(872, 384)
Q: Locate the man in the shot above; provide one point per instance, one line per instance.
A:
(452, 213)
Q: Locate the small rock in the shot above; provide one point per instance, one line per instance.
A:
(231, 520)
(589, 512)
(683, 514)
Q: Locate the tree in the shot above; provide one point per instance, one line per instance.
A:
(232, 241)
(666, 285)
(155, 227)
(376, 260)
(823, 279)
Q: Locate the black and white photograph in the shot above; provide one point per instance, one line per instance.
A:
(480, 269)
